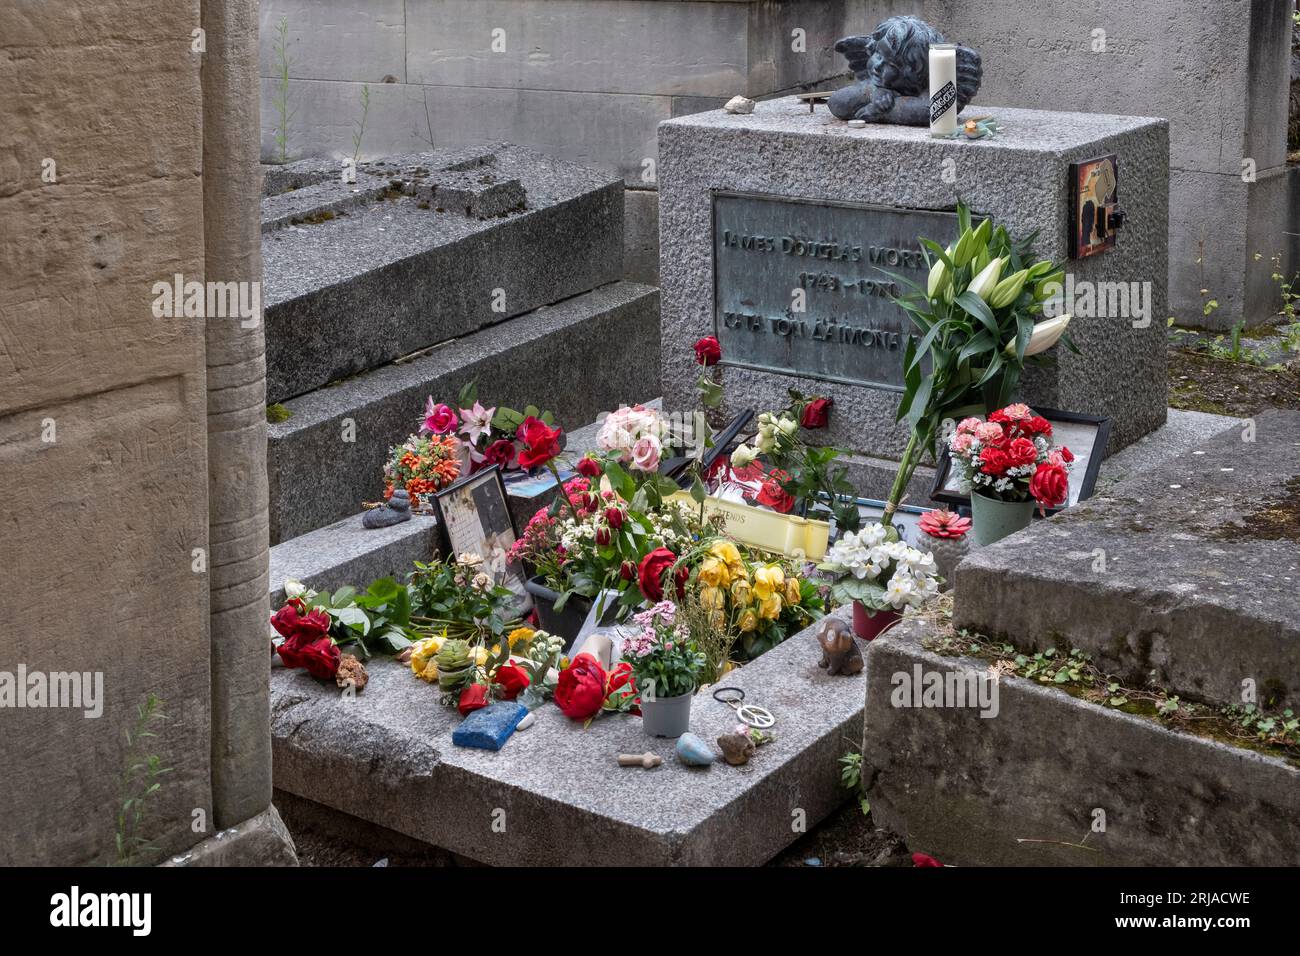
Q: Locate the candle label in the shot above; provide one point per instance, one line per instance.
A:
(942, 101)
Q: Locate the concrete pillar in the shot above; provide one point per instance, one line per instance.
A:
(236, 377)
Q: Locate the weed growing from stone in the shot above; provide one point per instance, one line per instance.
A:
(141, 779)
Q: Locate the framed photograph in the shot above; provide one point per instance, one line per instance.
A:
(473, 515)
(1094, 199)
(1086, 437)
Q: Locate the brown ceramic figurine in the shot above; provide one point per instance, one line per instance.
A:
(840, 654)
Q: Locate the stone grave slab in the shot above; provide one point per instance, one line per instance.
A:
(968, 789)
(422, 249)
(1189, 571)
(587, 354)
(753, 207)
(386, 756)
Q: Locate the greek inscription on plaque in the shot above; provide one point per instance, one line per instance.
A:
(804, 287)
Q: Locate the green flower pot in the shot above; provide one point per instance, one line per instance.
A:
(995, 519)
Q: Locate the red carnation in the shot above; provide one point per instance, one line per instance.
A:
(772, 495)
(1050, 486)
(541, 443)
(993, 461)
(511, 679)
(816, 413)
(708, 351)
(652, 570)
(1038, 425)
(1021, 452)
(588, 466)
(580, 691)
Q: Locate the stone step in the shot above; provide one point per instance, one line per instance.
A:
(1187, 573)
(386, 757)
(578, 358)
(422, 249)
(971, 790)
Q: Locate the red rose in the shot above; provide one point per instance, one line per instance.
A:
(614, 517)
(541, 443)
(993, 461)
(500, 452)
(472, 698)
(291, 622)
(588, 466)
(708, 351)
(320, 658)
(652, 570)
(772, 495)
(627, 571)
(923, 859)
(816, 413)
(580, 691)
(511, 680)
(1050, 486)
(1020, 452)
(603, 537)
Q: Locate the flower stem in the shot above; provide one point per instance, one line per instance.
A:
(563, 490)
(906, 466)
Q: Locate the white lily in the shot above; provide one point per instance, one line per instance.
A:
(987, 280)
(1044, 336)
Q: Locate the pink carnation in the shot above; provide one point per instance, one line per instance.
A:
(988, 432)
(968, 426)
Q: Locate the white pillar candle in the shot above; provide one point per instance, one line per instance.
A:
(943, 89)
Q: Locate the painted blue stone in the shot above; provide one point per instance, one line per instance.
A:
(488, 728)
(693, 751)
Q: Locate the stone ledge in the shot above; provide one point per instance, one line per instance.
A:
(386, 757)
(966, 789)
(1195, 592)
(262, 840)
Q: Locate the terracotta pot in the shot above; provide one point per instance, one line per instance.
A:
(869, 624)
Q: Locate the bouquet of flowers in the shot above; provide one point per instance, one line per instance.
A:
(764, 601)
(459, 598)
(1010, 457)
(422, 465)
(876, 569)
(665, 661)
(472, 673)
(489, 436)
(634, 436)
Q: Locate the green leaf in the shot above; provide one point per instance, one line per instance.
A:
(977, 308)
(698, 491)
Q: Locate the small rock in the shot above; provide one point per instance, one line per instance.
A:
(351, 671)
(812, 861)
(527, 721)
(736, 748)
(857, 124)
(383, 862)
(739, 104)
(693, 751)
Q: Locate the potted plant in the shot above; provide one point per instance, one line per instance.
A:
(666, 667)
(880, 574)
(1006, 464)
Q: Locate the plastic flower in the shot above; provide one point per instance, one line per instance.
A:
(438, 419)
(942, 523)
(476, 422)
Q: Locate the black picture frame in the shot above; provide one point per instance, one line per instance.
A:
(461, 509)
(1091, 460)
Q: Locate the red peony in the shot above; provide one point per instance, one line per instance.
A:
(772, 495)
(580, 691)
(1021, 452)
(1050, 486)
(472, 698)
(652, 570)
(708, 351)
(816, 413)
(541, 443)
(500, 452)
(588, 466)
(924, 859)
(511, 679)
(993, 461)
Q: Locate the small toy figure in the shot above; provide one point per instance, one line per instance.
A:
(840, 654)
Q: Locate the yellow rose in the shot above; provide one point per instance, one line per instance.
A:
(741, 592)
(712, 599)
(729, 554)
(714, 573)
(480, 656)
(792, 593)
(768, 581)
(748, 621)
(770, 608)
(422, 654)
